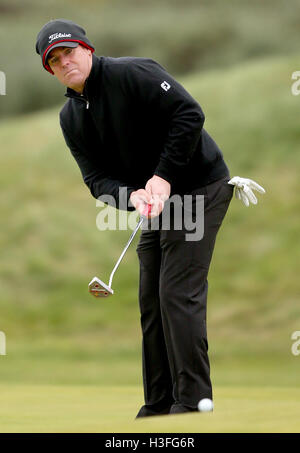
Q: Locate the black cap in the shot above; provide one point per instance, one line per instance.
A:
(59, 33)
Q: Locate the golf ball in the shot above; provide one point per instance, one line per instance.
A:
(205, 405)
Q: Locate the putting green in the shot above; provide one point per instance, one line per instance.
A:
(45, 408)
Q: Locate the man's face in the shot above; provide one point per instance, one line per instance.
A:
(71, 65)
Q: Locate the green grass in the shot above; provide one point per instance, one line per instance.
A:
(110, 409)
(98, 360)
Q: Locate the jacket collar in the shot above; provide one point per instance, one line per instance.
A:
(89, 82)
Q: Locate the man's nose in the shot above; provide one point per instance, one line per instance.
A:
(64, 60)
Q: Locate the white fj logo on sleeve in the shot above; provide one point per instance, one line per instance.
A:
(165, 86)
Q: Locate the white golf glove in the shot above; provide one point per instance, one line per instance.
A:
(243, 189)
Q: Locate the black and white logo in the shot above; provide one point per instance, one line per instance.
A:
(165, 86)
(59, 35)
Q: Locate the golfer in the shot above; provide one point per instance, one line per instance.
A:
(129, 124)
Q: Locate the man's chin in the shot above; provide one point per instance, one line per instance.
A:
(74, 81)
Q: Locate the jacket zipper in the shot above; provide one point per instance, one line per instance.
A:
(86, 101)
(87, 104)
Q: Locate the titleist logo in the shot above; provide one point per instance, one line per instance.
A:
(59, 35)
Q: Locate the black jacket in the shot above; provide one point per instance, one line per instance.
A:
(132, 121)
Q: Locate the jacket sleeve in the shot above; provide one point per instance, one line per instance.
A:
(110, 191)
(182, 115)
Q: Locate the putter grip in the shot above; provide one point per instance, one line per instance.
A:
(147, 210)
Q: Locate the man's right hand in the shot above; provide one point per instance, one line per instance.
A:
(140, 199)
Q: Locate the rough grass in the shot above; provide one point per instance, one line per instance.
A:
(183, 36)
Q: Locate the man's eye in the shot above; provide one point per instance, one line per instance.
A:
(53, 60)
(68, 50)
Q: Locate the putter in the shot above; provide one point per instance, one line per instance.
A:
(96, 286)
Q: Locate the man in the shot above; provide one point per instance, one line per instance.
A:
(129, 124)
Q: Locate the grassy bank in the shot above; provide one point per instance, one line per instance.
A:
(184, 36)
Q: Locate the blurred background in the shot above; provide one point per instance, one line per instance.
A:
(236, 58)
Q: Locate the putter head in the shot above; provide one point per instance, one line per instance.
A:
(99, 289)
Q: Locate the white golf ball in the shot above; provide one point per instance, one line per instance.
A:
(205, 405)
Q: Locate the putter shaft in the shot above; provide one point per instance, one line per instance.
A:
(96, 286)
(125, 249)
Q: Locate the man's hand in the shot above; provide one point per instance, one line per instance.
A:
(140, 200)
(159, 191)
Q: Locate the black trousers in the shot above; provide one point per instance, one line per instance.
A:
(173, 300)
